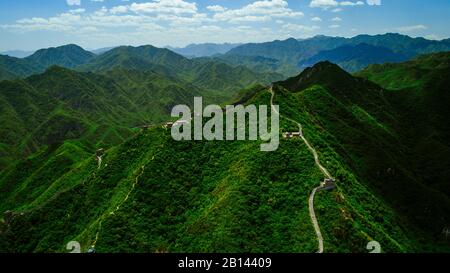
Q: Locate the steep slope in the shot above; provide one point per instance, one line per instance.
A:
(190, 196)
(103, 108)
(211, 75)
(153, 194)
(355, 58)
(389, 160)
(61, 104)
(11, 68)
(422, 99)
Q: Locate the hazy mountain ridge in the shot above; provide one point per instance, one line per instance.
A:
(203, 50)
(354, 58)
(305, 52)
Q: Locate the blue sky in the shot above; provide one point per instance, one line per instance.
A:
(30, 24)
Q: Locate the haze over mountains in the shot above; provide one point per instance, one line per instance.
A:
(204, 50)
(17, 53)
(286, 57)
(382, 132)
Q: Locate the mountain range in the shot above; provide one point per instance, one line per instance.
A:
(286, 58)
(64, 104)
(85, 155)
(203, 50)
(293, 55)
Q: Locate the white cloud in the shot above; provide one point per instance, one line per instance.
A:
(411, 28)
(323, 3)
(77, 10)
(119, 9)
(373, 2)
(165, 6)
(180, 20)
(316, 19)
(73, 2)
(349, 3)
(216, 8)
(263, 10)
(334, 26)
(336, 19)
(298, 28)
(326, 4)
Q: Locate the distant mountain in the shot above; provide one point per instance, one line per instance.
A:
(292, 52)
(68, 56)
(204, 50)
(11, 67)
(205, 73)
(139, 58)
(17, 53)
(354, 58)
(403, 44)
(258, 63)
(102, 50)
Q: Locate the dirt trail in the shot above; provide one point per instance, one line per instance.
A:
(136, 181)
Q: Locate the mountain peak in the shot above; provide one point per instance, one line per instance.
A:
(323, 72)
(60, 48)
(70, 56)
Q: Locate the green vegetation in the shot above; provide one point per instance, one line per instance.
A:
(385, 142)
(133, 87)
(68, 56)
(354, 58)
(290, 56)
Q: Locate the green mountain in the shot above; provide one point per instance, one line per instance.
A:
(47, 109)
(258, 63)
(153, 194)
(422, 98)
(354, 58)
(296, 54)
(403, 44)
(100, 110)
(290, 50)
(126, 93)
(208, 74)
(68, 56)
(11, 68)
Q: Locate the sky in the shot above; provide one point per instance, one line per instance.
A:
(30, 25)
